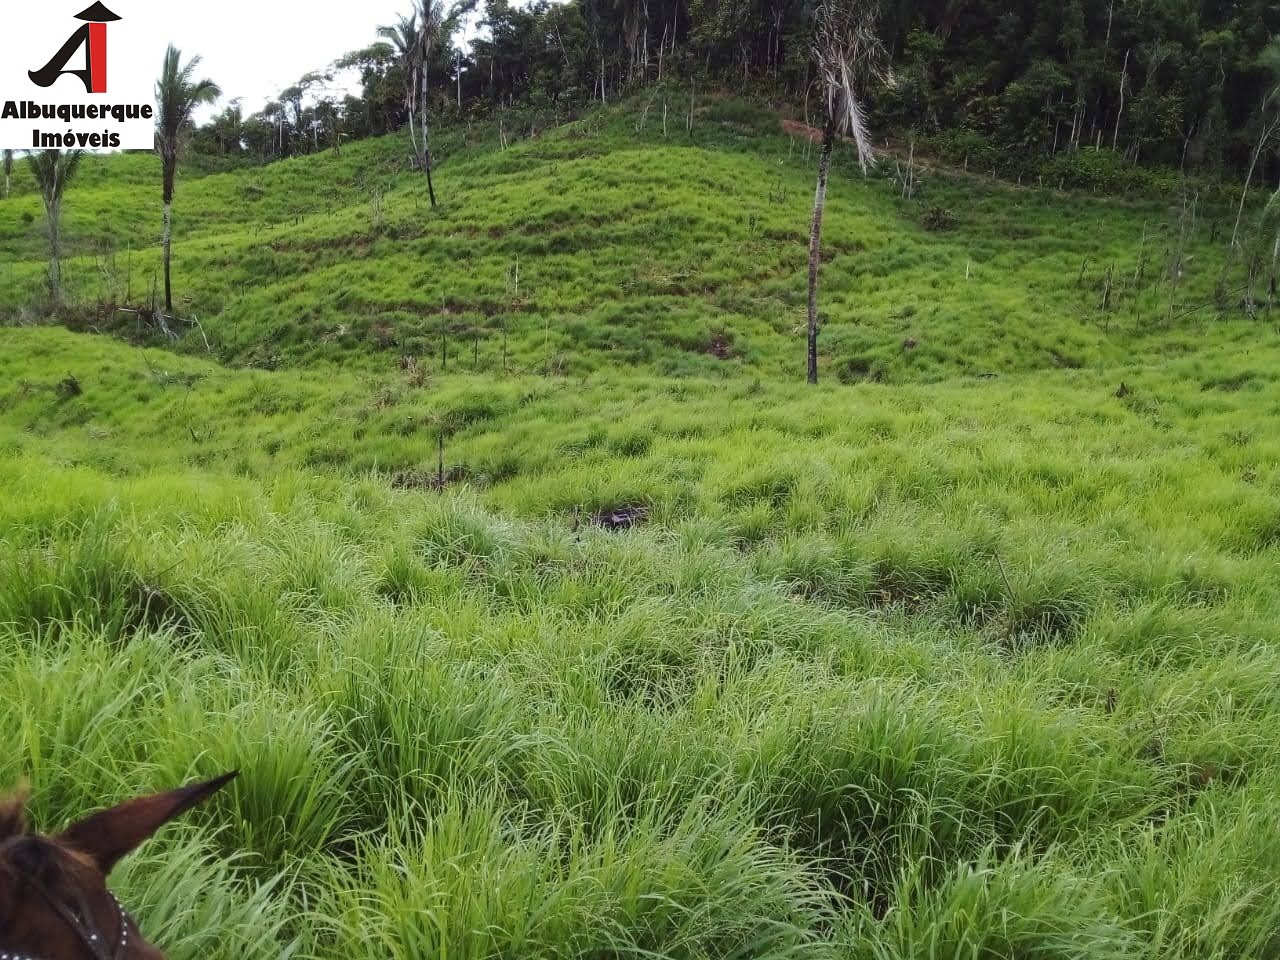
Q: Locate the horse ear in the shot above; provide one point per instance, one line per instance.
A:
(109, 836)
(13, 814)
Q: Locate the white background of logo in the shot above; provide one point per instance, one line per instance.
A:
(34, 30)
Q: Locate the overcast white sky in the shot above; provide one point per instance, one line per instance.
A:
(256, 48)
(252, 48)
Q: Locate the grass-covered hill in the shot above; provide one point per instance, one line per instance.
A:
(967, 653)
(593, 246)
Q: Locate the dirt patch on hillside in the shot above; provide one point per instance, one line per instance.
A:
(798, 129)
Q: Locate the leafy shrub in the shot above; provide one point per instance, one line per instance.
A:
(938, 218)
(743, 114)
(1105, 171)
(968, 147)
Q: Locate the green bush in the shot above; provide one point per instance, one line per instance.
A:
(1104, 171)
(962, 148)
(938, 219)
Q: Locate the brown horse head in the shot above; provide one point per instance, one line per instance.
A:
(54, 902)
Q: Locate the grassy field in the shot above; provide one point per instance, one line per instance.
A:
(967, 653)
(593, 247)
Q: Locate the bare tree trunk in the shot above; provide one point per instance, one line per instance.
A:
(168, 241)
(431, 187)
(424, 156)
(815, 243)
(53, 211)
(645, 47)
(1267, 131)
(1186, 146)
(1124, 82)
(413, 136)
(1271, 285)
(426, 159)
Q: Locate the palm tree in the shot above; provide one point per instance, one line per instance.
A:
(407, 36)
(53, 171)
(7, 162)
(415, 37)
(847, 53)
(177, 96)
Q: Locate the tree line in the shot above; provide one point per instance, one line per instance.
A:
(1181, 83)
(862, 64)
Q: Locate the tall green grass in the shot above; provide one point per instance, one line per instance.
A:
(489, 737)
(968, 653)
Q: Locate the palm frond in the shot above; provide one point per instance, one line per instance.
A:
(849, 56)
(403, 34)
(459, 11)
(177, 96)
(855, 119)
(53, 171)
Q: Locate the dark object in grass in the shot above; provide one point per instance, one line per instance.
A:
(70, 388)
(1124, 391)
(910, 343)
(623, 517)
(428, 479)
(415, 480)
(937, 219)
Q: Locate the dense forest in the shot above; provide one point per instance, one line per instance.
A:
(1183, 84)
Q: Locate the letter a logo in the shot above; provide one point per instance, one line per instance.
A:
(92, 35)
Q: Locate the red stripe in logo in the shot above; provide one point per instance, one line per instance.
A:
(98, 56)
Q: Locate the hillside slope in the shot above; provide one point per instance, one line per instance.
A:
(602, 635)
(593, 246)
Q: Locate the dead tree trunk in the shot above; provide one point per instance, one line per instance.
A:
(1268, 130)
(1124, 82)
(815, 242)
(426, 136)
(53, 211)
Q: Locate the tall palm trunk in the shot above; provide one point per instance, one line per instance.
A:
(815, 242)
(413, 135)
(426, 137)
(169, 172)
(53, 209)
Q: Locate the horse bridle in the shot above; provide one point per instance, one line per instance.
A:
(81, 924)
